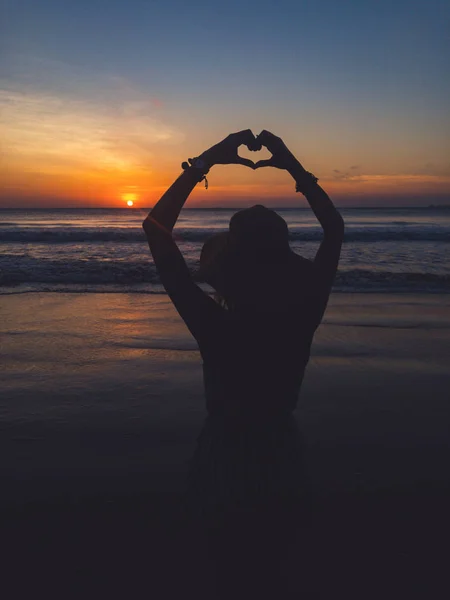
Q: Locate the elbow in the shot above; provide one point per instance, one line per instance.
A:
(155, 230)
(148, 225)
(151, 231)
(151, 227)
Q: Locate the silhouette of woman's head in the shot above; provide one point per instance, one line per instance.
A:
(259, 234)
(239, 263)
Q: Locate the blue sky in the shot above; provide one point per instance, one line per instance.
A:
(142, 85)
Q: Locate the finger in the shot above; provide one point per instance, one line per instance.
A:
(267, 135)
(243, 137)
(254, 146)
(244, 161)
(268, 139)
(264, 163)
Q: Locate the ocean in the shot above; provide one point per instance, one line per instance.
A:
(105, 250)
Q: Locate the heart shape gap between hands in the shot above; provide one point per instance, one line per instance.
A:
(254, 156)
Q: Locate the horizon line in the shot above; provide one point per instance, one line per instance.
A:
(306, 208)
(134, 208)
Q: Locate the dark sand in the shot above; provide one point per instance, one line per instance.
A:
(101, 405)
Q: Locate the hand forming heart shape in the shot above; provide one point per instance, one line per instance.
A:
(282, 157)
(226, 152)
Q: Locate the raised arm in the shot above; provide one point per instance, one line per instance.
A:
(327, 257)
(164, 214)
(193, 305)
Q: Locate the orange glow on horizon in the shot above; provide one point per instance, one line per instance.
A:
(228, 185)
(129, 197)
(64, 150)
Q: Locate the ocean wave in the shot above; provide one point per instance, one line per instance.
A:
(128, 235)
(77, 271)
(397, 323)
(136, 273)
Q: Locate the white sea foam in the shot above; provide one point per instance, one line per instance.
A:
(385, 250)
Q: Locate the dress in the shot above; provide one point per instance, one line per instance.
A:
(241, 466)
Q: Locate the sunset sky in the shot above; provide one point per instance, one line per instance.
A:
(101, 100)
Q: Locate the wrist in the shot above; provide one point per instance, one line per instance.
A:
(197, 165)
(196, 169)
(305, 181)
(206, 159)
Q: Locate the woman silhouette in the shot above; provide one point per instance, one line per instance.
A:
(254, 339)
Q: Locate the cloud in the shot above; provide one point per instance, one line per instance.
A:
(441, 168)
(341, 175)
(157, 103)
(406, 177)
(393, 184)
(52, 129)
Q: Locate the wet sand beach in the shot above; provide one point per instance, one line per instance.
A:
(101, 405)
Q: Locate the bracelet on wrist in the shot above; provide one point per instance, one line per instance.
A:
(198, 168)
(305, 181)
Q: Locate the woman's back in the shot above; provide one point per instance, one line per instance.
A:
(254, 361)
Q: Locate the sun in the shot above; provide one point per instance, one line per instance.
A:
(130, 198)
